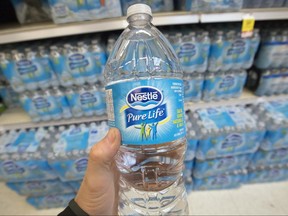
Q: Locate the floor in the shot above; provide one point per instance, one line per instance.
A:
(258, 199)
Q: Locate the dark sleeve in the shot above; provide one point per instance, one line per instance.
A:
(73, 210)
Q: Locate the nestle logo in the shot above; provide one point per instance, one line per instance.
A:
(238, 43)
(23, 63)
(144, 98)
(187, 46)
(81, 164)
(76, 57)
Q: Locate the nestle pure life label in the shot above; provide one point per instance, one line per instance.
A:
(147, 111)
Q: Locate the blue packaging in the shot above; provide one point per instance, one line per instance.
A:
(207, 168)
(73, 138)
(193, 85)
(25, 170)
(223, 181)
(219, 5)
(191, 149)
(267, 174)
(223, 85)
(156, 5)
(75, 185)
(69, 169)
(102, 9)
(10, 97)
(50, 201)
(275, 139)
(40, 188)
(235, 140)
(188, 167)
(263, 158)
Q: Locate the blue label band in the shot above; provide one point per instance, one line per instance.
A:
(147, 111)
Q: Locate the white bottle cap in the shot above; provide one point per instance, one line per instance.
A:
(139, 8)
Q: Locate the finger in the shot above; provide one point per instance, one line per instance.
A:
(103, 152)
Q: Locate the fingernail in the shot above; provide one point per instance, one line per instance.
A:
(111, 136)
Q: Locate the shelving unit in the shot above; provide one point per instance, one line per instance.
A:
(19, 119)
(18, 33)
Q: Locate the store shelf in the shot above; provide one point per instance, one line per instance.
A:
(18, 118)
(259, 14)
(257, 199)
(19, 33)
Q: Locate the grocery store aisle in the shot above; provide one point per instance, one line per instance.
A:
(260, 199)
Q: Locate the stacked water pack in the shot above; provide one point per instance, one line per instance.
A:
(192, 142)
(192, 49)
(9, 96)
(21, 156)
(223, 85)
(69, 148)
(40, 188)
(27, 68)
(263, 3)
(229, 135)
(272, 155)
(70, 61)
(273, 52)
(229, 51)
(87, 100)
(209, 5)
(45, 105)
(156, 5)
(50, 201)
(78, 61)
(268, 81)
(64, 11)
(193, 85)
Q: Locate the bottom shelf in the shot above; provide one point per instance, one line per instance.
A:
(257, 199)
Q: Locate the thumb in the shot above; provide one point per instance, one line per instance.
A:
(102, 153)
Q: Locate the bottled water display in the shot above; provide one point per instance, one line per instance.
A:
(141, 72)
(51, 201)
(156, 5)
(270, 173)
(67, 62)
(227, 131)
(10, 97)
(273, 52)
(27, 69)
(55, 104)
(87, 100)
(275, 114)
(268, 81)
(229, 51)
(223, 181)
(213, 167)
(263, 4)
(20, 156)
(192, 49)
(209, 5)
(64, 11)
(45, 105)
(223, 85)
(40, 188)
(193, 85)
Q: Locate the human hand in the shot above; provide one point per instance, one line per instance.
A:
(98, 194)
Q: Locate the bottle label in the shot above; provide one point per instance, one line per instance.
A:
(147, 111)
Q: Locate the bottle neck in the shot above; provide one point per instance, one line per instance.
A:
(139, 20)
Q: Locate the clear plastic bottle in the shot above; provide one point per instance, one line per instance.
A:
(144, 94)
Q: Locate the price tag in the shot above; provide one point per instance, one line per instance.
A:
(248, 25)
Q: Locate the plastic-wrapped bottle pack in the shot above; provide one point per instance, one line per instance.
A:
(41, 188)
(21, 156)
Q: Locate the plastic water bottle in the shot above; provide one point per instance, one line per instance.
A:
(144, 94)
